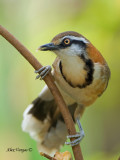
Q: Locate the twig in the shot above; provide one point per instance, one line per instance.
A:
(50, 83)
(47, 156)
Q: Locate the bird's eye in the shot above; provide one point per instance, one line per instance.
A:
(67, 41)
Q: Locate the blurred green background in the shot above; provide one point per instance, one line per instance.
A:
(35, 22)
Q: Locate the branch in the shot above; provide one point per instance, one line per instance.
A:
(47, 156)
(51, 85)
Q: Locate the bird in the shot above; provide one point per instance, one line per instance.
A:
(81, 74)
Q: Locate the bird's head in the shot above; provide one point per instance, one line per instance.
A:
(72, 44)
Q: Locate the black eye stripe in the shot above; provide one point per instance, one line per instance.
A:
(62, 45)
(80, 43)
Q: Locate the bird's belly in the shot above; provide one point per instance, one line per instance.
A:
(85, 96)
(81, 96)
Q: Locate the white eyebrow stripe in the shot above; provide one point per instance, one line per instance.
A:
(77, 38)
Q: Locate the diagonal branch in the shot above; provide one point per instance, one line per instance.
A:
(50, 83)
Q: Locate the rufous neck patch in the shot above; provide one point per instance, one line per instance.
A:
(95, 55)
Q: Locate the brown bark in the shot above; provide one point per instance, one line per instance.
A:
(50, 83)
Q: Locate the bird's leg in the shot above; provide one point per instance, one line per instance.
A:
(79, 136)
(43, 72)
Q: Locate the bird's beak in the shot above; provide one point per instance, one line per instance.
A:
(48, 46)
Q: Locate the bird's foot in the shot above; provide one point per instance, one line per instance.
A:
(43, 72)
(79, 136)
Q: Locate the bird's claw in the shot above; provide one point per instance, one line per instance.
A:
(43, 72)
(78, 136)
(74, 136)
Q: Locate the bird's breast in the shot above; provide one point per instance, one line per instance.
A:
(87, 95)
